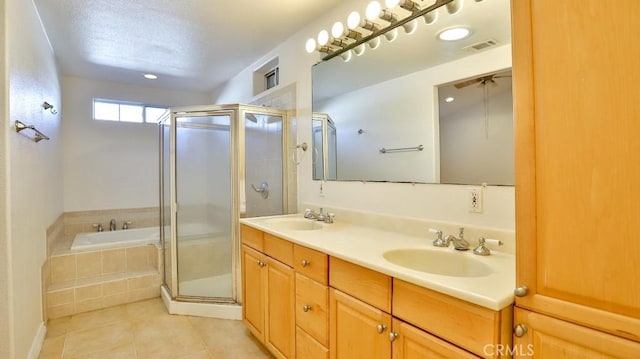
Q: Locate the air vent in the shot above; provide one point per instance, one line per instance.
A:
(479, 46)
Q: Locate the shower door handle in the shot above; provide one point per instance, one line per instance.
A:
(263, 189)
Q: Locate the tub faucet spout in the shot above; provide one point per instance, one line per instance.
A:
(112, 225)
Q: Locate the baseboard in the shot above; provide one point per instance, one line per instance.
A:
(38, 340)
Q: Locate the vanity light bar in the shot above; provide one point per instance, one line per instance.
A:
(347, 39)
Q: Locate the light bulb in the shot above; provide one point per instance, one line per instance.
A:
(323, 37)
(310, 46)
(353, 21)
(374, 43)
(346, 56)
(391, 34)
(449, 99)
(410, 27)
(337, 30)
(431, 17)
(454, 7)
(390, 4)
(373, 10)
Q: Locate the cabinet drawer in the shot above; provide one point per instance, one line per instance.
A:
(314, 298)
(278, 248)
(252, 237)
(311, 263)
(309, 348)
(473, 327)
(365, 284)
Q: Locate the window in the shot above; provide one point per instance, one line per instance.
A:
(271, 78)
(109, 110)
(266, 77)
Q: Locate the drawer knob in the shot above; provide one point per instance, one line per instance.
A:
(520, 330)
(306, 308)
(305, 263)
(521, 291)
(393, 336)
(381, 328)
(261, 263)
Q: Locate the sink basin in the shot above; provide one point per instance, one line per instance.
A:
(453, 264)
(294, 224)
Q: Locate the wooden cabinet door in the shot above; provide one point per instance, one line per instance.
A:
(253, 291)
(413, 343)
(280, 301)
(547, 337)
(357, 329)
(576, 78)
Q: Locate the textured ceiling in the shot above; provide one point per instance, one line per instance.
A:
(191, 44)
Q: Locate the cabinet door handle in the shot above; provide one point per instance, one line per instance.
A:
(393, 336)
(521, 291)
(305, 263)
(520, 330)
(261, 263)
(381, 328)
(306, 308)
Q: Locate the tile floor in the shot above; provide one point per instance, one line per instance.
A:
(145, 330)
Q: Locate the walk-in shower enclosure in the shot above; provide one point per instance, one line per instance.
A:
(217, 164)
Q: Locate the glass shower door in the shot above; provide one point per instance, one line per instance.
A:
(264, 167)
(204, 204)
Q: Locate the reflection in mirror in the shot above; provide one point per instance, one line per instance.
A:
(476, 130)
(388, 99)
(324, 147)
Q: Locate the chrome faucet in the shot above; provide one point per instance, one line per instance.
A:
(112, 225)
(98, 227)
(320, 216)
(459, 243)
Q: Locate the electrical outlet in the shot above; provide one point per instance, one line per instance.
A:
(475, 200)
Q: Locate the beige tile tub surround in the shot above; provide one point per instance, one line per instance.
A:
(85, 281)
(80, 222)
(145, 330)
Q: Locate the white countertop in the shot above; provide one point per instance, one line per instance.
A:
(365, 246)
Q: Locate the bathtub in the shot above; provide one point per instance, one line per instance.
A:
(120, 238)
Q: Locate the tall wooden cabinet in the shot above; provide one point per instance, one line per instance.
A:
(577, 106)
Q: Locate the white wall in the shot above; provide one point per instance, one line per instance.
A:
(437, 202)
(111, 165)
(33, 186)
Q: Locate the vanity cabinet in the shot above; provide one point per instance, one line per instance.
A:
(360, 308)
(268, 290)
(304, 303)
(548, 337)
(575, 72)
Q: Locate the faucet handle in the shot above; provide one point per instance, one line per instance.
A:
(329, 218)
(439, 241)
(309, 213)
(98, 226)
(461, 233)
(125, 224)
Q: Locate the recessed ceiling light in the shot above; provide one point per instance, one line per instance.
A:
(454, 33)
(150, 76)
(449, 99)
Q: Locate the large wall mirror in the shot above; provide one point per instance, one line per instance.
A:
(420, 109)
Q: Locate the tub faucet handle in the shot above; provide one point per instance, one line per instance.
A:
(125, 224)
(98, 226)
